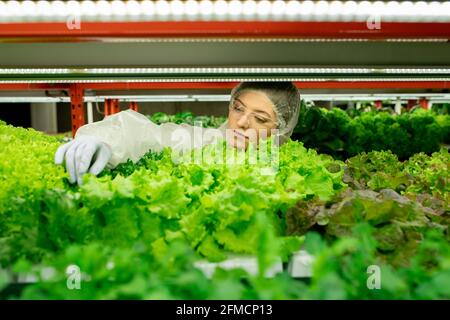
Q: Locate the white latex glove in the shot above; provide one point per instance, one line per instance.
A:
(82, 155)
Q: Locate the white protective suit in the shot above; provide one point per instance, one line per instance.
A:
(130, 135)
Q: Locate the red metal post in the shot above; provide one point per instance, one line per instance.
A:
(77, 107)
(423, 102)
(134, 106)
(107, 110)
(115, 106)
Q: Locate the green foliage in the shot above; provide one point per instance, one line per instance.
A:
(26, 158)
(344, 269)
(336, 133)
(188, 118)
(420, 174)
(400, 222)
(136, 231)
(213, 207)
(26, 172)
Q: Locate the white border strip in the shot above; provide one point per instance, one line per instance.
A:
(220, 70)
(175, 10)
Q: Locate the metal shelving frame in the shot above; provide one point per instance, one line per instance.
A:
(215, 55)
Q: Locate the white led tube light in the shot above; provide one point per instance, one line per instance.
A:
(292, 10)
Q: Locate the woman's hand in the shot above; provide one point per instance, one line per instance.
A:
(83, 155)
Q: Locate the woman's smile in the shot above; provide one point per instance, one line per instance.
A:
(239, 134)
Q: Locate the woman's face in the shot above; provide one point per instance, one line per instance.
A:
(251, 117)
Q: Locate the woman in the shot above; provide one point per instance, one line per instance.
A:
(257, 110)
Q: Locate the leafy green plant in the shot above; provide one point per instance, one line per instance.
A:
(188, 118)
(399, 222)
(216, 207)
(136, 231)
(336, 133)
(342, 269)
(420, 174)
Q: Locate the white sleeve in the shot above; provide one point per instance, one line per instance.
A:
(130, 135)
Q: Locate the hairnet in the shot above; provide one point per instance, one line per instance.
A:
(284, 96)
